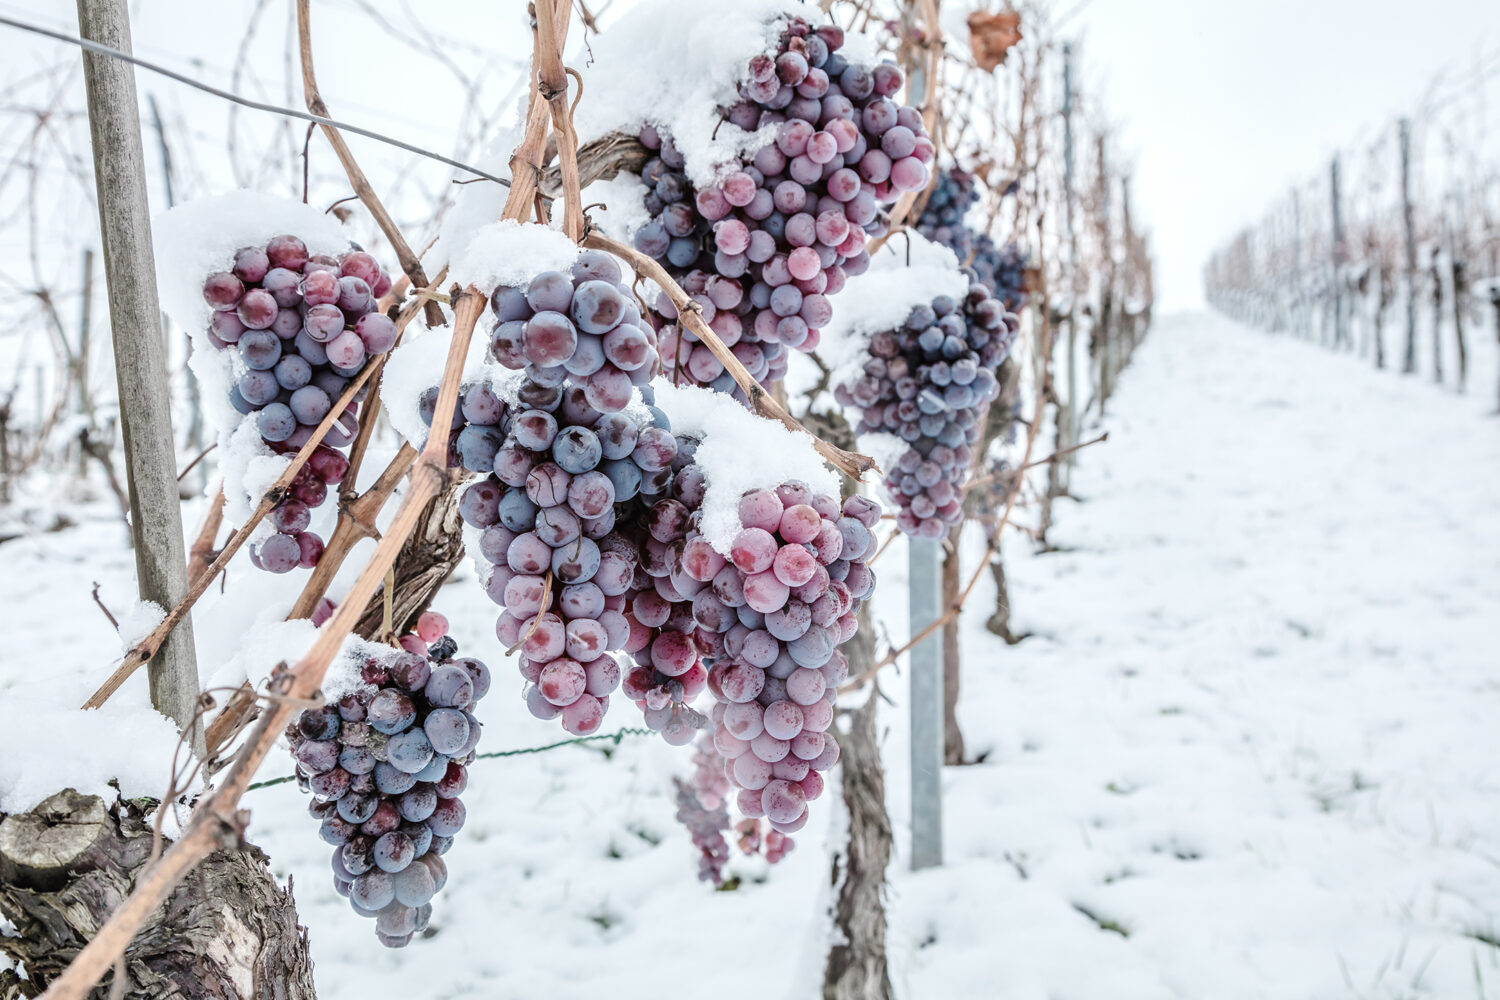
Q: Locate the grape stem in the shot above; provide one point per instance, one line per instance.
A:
(140, 654)
(552, 86)
(851, 464)
(409, 262)
(536, 621)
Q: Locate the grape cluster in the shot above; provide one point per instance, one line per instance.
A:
(701, 808)
(584, 327)
(386, 765)
(795, 577)
(560, 471)
(761, 252)
(767, 622)
(928, 382)
(302, 326)
(1002, 270)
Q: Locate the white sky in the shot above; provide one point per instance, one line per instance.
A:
(1225, 103)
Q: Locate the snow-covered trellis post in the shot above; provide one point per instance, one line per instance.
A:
(1339, 333)
(1409, 365)
(924, 603)
(140, 355)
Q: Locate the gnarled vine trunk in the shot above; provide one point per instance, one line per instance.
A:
(228, 932)
(856, 968)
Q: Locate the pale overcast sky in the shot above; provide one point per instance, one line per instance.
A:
(1225, 103)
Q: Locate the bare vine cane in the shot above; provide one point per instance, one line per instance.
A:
(410, 264)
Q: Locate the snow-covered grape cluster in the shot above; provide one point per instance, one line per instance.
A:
(301, 326)
(585, 325)
(784, 600)
(1002, 270)
(387, 763)
(761, 252)
(928, 383)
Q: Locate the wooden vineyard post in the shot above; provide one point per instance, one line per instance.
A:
(1069, 434)
(1409, 364)
(1340, 333)
(140, 356)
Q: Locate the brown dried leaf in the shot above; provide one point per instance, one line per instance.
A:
(991, 36)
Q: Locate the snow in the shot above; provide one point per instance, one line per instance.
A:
(140, 621)
(248, 466)
(47, 747)
(908, 271)
(1253, 728)
(475, 203)
(259, 649)
(507, 253)
(343, 676)
(643, 74)
(740, 451)
(618, 209)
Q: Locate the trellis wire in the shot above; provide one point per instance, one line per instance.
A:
(616, 737)
(105, 50)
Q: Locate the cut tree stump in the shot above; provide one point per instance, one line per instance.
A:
(228, 932)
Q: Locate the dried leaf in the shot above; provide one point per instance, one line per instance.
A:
(991, 36)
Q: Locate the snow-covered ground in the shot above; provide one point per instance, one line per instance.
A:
(1249, 750)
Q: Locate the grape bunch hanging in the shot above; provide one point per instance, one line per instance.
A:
(590, 540)
(762, 251)
(301, 326)
(386, 764)
(928, 382)
(557, 464)
(1002, 270)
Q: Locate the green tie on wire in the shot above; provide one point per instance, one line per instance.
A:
(616, 738)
